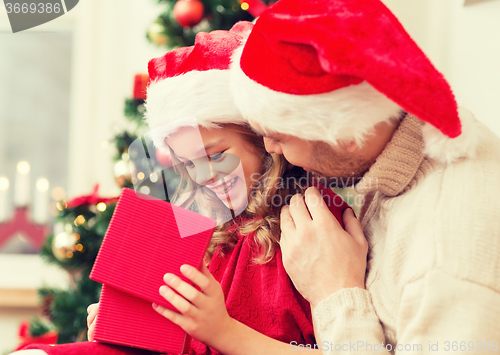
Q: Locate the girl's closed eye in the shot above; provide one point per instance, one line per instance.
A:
(217, 156)
(212, 157)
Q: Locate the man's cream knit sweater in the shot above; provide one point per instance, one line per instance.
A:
(433, 273)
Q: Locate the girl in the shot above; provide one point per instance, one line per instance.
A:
(247, 303)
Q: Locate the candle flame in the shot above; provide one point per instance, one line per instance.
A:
(23, 167)
(42, 185)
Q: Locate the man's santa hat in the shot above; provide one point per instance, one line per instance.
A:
(330, 70)
(194, 81)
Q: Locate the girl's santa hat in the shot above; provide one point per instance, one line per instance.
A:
(330, 70)
(194, 81)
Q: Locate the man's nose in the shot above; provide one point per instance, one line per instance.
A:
(272, 146)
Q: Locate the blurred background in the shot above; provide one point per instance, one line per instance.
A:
(71, 94)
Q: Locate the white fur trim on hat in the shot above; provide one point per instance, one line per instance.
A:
(349, 113)
(445, 149)
(203, 94)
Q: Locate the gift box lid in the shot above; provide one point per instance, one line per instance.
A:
(147, 238)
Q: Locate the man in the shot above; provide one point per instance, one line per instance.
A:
(340, 88)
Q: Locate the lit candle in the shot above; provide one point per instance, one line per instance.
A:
(22, 191)
(4, 190)
(41, 205)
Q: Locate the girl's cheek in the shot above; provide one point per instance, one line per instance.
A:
(223, 169)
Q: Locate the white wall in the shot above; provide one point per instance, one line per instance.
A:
(110, 48)
(475, 61)
(463, 42)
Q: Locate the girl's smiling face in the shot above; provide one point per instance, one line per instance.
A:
(220, 159)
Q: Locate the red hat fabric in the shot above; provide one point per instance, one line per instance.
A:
(194, 81)
(346, 65)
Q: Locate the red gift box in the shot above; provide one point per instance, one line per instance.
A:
(146, 238)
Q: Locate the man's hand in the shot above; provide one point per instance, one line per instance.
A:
(92, 315)
(320, 257)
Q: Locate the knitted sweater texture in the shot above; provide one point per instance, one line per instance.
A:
(433, 272)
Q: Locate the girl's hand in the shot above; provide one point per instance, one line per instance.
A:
(203, 315)
(92, 311)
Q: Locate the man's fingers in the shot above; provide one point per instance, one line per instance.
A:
(353, 226)
(286, 220)
(316, 205)
(298, 211)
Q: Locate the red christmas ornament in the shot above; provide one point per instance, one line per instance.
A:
(188, 13)
(140, 84)
(163, 157)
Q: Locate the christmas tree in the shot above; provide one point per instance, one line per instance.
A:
(82, 222)
(178, 25)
